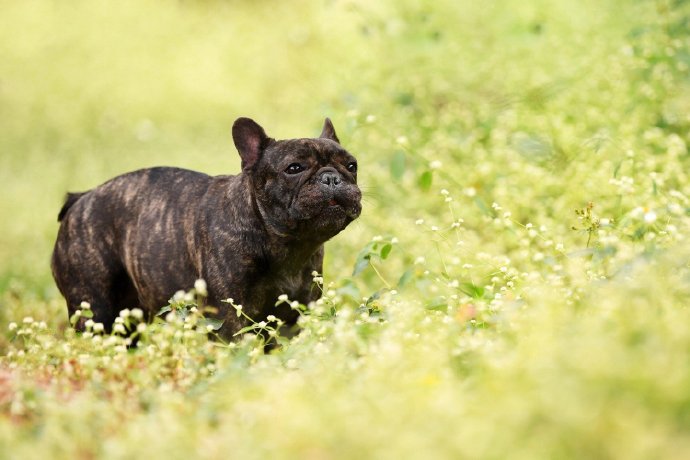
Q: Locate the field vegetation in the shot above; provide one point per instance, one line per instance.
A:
(518, 285)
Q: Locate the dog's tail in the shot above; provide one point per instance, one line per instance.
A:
(70, 199)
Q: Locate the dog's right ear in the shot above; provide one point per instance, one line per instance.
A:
(250, 140)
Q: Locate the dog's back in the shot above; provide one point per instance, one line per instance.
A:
(104, 233)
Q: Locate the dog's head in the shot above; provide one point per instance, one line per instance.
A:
(302, 187)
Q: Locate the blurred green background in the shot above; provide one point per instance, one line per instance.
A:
(523, 286)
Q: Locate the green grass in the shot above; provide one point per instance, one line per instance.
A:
(517, 286)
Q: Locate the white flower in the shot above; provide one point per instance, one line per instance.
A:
(85, 306)
(89, 323)
(12, 326)
(137, 313)
(419, 221)
(118, 328)
(650, 217)
(28, 320)
(436, 164)
(283, 297)
(98, 327)
(179, 295)
(377, 238)
(271, 317)
(125, 313)
(200, 287)
(141, 327)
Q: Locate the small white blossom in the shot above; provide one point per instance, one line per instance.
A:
(12, 326)
(200, 287)
(85, 306)
(650, 217)
(118, 328)
(436, 164)
(98, 327)
(283, 297)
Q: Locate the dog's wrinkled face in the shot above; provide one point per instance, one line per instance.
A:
(303, 187)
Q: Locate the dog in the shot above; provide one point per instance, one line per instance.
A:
(137, 239)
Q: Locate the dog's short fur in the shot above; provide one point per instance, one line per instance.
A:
(138, 238)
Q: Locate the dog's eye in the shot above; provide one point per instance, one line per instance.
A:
(352, 167)
(294, 168)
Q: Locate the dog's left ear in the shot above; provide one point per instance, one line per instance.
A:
(328, 131)
(250, 140)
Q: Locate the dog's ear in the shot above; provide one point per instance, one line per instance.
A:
(250, 140)
(328, 131)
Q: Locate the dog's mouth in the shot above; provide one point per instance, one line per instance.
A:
(350, 208)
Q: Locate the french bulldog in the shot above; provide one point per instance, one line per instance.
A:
(140, 237)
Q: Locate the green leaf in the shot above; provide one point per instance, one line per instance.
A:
(385, 250)
(424, 180)
(213, 322)
(436, 303)
(164, 310)
(406, 277)
(360, 265)
(397, 165)
(245, 329)
(472, 290)
(87, 313)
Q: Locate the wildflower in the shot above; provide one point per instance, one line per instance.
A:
(271, 317)
(444, 192)
(419, 221)
(125, 313)
(283, 297)
(85, 306)
(200, 287)
(12, 326)
(650, 217)
(377, 238)
(98, 327)
(28, 320)
(262, 324)
(118, 328)
(89, 323)
(470, 192)
(178, 296)
(141, 327)
(294, 304)
(434, 228)
(436, 164)
(394, 240)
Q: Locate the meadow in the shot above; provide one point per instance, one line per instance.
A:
(518, 285)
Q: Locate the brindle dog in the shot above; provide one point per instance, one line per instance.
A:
(140, 237)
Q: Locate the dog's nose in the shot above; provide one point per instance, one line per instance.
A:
(330, 179)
